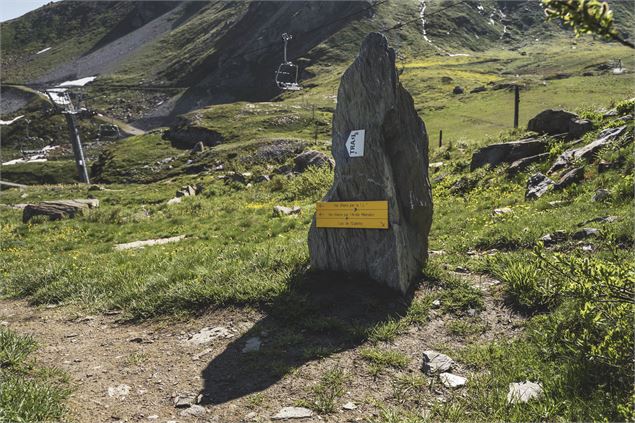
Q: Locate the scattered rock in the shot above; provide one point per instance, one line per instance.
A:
(552, 122)
(537, 186)
(601, 194)
(251, 416)
(349, 406)
(458, 90)
(588, 151)
(186, 191)
(293, 413)
(262, 178)
(175, 200)
(436, 303)
(119, 391)
(207, 335)
(194, 410)
(503, 210)
(394, 168)
(96, 188)
(478, 90)
(554, 238)
(522, 164)
(435, 362)
(201, 354)
(199, 147)
(571, 177)
(57, 210)
(149, 242)
(522, 392)
(601, 219)
(252, 345)
(507, 152)
(585, 233)
(311, 158)
(452, 381)
(557, 76)
(279, 211)
(446, 79)
(184, 401)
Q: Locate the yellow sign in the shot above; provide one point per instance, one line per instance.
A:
(352, 214)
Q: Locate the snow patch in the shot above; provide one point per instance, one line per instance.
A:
(78, 82)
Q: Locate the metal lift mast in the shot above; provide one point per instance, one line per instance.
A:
(63, 103)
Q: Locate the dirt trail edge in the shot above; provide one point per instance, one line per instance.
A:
(130, 373)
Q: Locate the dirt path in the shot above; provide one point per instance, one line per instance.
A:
(159, 361)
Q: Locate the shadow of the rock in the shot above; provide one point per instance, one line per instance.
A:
(318, 315)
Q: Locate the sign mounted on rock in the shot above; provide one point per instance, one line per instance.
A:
(355, 143)
(352, 214)
(386, 240)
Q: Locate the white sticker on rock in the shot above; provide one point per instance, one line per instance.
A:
(355, 143)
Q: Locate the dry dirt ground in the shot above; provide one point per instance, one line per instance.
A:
(158, 361)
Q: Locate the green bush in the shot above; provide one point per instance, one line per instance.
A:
(311, 185)
(625, 106)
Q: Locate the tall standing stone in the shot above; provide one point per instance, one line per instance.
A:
(394, 167)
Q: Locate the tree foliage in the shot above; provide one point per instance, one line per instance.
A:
(585, 17)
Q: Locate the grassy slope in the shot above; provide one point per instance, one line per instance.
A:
(238, 254)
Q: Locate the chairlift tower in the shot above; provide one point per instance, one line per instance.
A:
(62, 102)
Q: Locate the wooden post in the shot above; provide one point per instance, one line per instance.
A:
(516, 104)
(440, 138)
(315, 134)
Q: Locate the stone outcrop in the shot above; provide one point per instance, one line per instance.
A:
(571, 177)
(537, 185)
(507, 152)
(311, 158)
(522, 164)
(393, 168)
(588, 151)
(57, 210)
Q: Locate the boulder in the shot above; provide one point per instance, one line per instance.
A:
(588, 151)
(522, 164)
(507, 152)
(458, 90)
(554, 238)
(57, 210)
(394, 167)
(552, 122)
(571, 177)
(537, 185)
(311, 158)
(186, 191)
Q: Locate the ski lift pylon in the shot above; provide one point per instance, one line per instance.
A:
(287, 73)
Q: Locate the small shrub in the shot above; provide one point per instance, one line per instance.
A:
(310, 185)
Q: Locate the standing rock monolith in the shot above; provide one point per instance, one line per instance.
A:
(393, 168)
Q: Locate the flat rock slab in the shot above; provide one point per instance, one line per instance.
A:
(508, 152)
(208, 334)
(149, 242)
(588, 151)
(293, 413)
(59, 209)
(521, 392)
(435, 362)
(452, 381)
